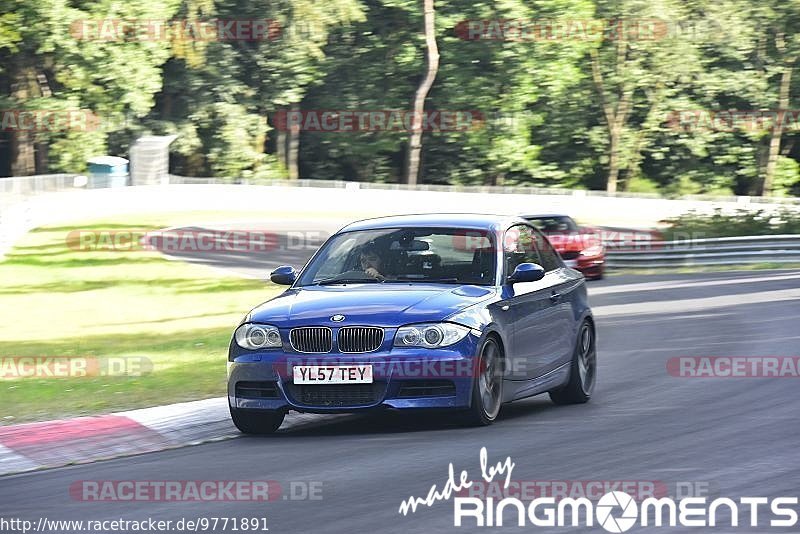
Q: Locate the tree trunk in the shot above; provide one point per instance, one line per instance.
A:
(613, 160)
(495, 179)
(23, 160)
(294, 148)
(41, 153)
(280, 148)
(415, 137)
(615, 118)
(777, 130)
(651, 120)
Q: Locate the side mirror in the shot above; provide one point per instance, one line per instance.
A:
(284, 276)
(526, 272)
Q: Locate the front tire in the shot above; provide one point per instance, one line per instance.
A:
(487, 388)
(583, 369)
(257, 422)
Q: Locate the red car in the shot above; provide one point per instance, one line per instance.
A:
(580, 247)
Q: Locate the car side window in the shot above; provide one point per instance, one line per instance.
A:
(548, 255)
(519, 246)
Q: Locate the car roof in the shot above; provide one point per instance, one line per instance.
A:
(479, 221)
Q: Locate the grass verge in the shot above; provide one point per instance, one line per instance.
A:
(57, 302)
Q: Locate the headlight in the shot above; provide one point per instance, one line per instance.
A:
(257, 336)
(430, 336)
(594, 250)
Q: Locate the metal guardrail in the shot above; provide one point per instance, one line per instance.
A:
(494, 189)
(31, 185)
(341, 184)
(16, 218)
(699, 252)
(12, 189)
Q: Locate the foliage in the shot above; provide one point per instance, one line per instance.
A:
(543, 102)
(741, 222)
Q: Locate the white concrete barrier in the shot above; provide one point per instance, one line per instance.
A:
(345, 203)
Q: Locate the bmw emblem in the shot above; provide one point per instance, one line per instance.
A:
(337, 318)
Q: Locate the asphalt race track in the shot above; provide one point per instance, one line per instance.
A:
(280, 243)
(734, 437)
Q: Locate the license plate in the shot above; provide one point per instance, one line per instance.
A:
(333, 374)
(571, 263)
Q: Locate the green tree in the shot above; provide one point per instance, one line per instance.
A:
(50, 64)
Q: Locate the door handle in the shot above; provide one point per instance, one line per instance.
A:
(555, 297)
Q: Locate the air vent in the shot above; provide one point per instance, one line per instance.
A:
(427, 388)
(355, 339)
(257, 390)
(311, 339)
(335, 396)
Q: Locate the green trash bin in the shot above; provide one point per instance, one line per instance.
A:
(107, 171)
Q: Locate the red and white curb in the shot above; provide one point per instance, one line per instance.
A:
(31, 446)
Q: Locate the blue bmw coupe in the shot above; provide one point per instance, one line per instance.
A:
(455, 312)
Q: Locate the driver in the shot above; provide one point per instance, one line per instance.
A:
(371, 262)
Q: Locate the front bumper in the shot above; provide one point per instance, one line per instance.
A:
(403, 378)
(590, 266)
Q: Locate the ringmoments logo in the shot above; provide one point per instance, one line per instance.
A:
(615, 511)
(605, 511)
(618, 511)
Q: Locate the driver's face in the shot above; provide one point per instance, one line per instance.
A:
(370, 260)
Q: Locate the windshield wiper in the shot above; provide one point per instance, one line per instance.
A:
(333, 281)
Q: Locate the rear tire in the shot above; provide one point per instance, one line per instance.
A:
(487, 388)
(583, 369)
(257, 422)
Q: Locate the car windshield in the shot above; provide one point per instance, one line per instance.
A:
(552, 224)
(435, 255)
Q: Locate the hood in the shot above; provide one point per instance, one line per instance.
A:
(385, 305)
